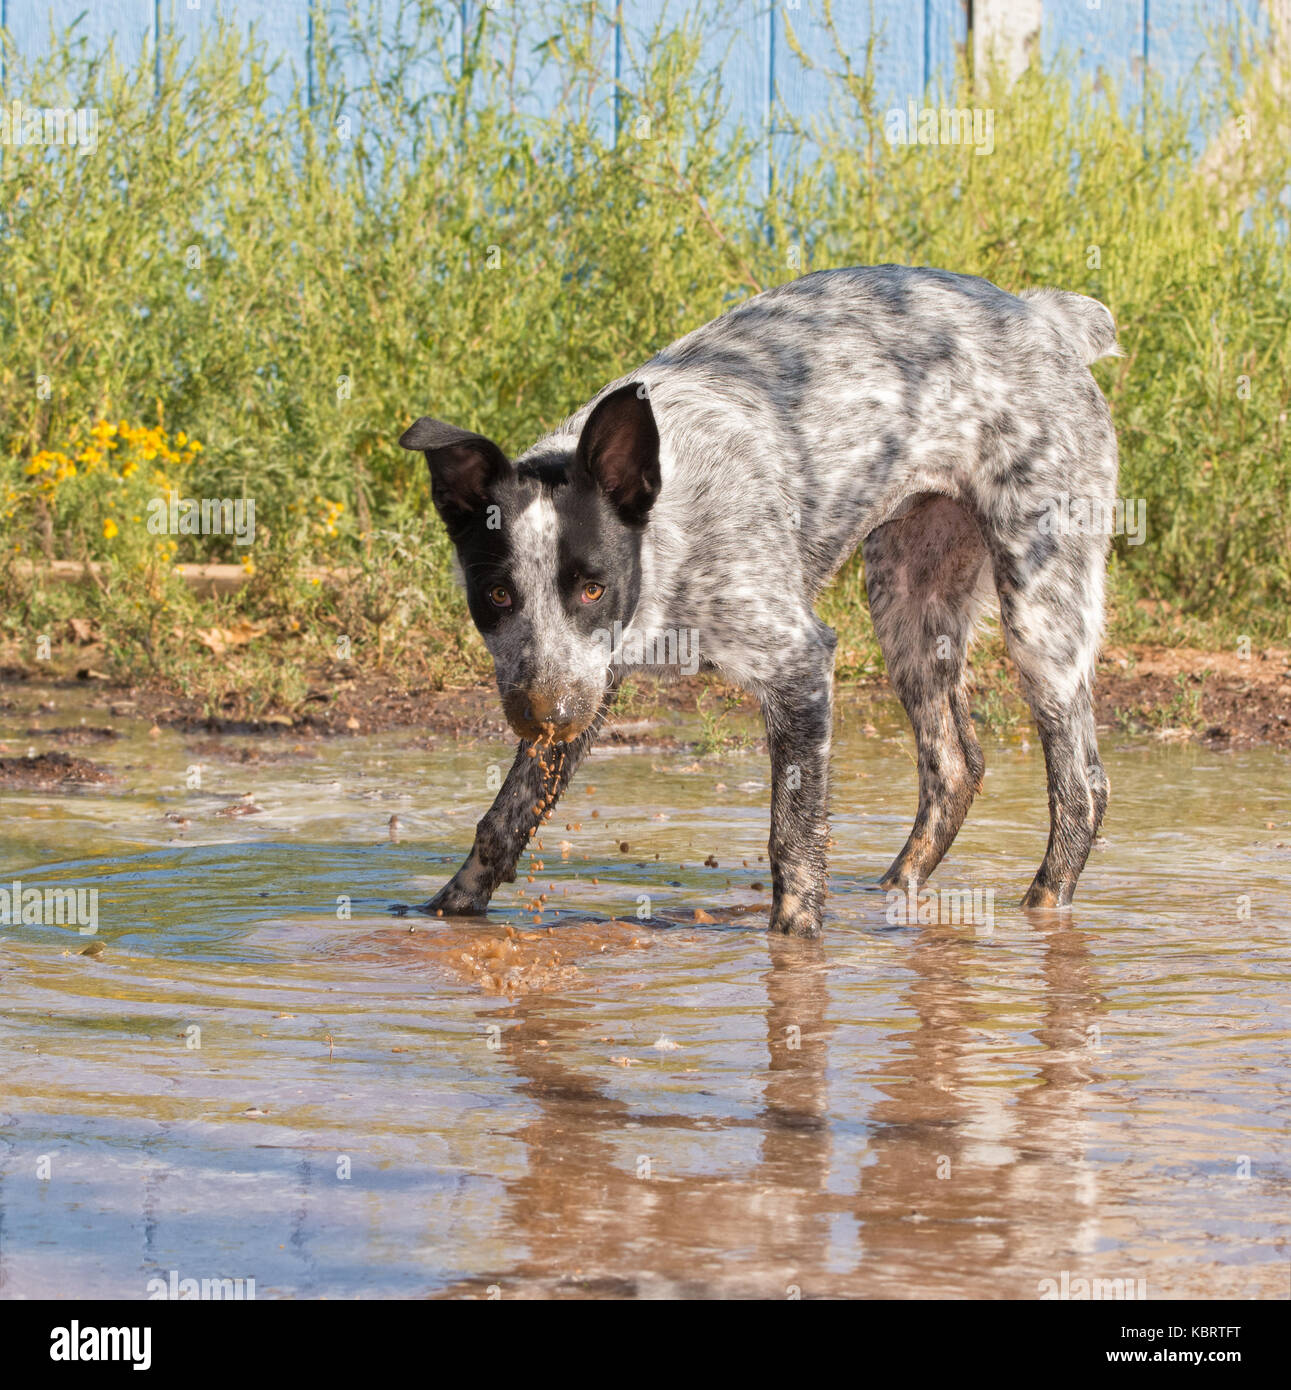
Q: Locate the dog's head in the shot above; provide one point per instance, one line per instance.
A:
(550, 552)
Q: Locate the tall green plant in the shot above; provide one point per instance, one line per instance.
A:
(292, 283)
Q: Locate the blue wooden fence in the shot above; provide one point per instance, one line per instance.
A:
(917, 50)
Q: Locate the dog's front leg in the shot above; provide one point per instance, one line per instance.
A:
(799, 726)
(537, 778)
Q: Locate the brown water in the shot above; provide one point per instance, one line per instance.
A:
(392, 1106)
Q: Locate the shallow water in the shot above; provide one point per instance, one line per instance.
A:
(652, 1105)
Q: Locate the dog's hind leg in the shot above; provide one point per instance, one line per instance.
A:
(1052, 624)
(927, 576)
(537, 778)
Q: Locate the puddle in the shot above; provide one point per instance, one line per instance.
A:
(267, 1074)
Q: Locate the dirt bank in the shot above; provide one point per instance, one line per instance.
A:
(1216, 698)
(50, 772)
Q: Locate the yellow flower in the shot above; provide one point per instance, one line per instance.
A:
(109, 528)
(248, 564)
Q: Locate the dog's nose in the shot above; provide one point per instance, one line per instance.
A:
(541, 708)
(547, 713)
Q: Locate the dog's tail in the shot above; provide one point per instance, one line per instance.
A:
(1084, 323)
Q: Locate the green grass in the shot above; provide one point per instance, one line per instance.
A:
(292, 295)
(715, 734)
(1182, 711)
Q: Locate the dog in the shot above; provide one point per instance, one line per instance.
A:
(927, 417)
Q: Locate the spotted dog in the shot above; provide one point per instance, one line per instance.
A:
(931, 419)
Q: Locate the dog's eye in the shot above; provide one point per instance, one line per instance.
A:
(499, 596)
(592, 591)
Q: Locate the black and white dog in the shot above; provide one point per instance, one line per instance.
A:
(930, 418)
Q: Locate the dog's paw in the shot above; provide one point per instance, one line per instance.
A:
(1044, 895)
(455, 900)
(795, 920)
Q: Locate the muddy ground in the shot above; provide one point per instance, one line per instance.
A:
(50, 772)
(1215, 698)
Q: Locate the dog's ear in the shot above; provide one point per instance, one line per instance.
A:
(463, 466)
(619, 451)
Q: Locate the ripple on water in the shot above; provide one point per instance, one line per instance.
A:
(267, 1073)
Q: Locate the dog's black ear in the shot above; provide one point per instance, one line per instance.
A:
(463, 466)
(619, 450)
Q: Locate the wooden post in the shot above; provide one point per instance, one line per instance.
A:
(1004, 31)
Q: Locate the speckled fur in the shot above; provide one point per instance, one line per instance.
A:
(929, 417)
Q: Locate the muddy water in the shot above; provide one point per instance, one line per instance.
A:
(245, 1082)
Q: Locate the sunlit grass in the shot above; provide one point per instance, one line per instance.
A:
(292, 290)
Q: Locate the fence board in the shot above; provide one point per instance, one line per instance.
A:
(281, 28)
(918, 44)
(127, 25)
(1107, 44)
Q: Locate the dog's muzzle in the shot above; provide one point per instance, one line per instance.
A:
(549, 716)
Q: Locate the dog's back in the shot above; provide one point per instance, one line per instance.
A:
(794, 425)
